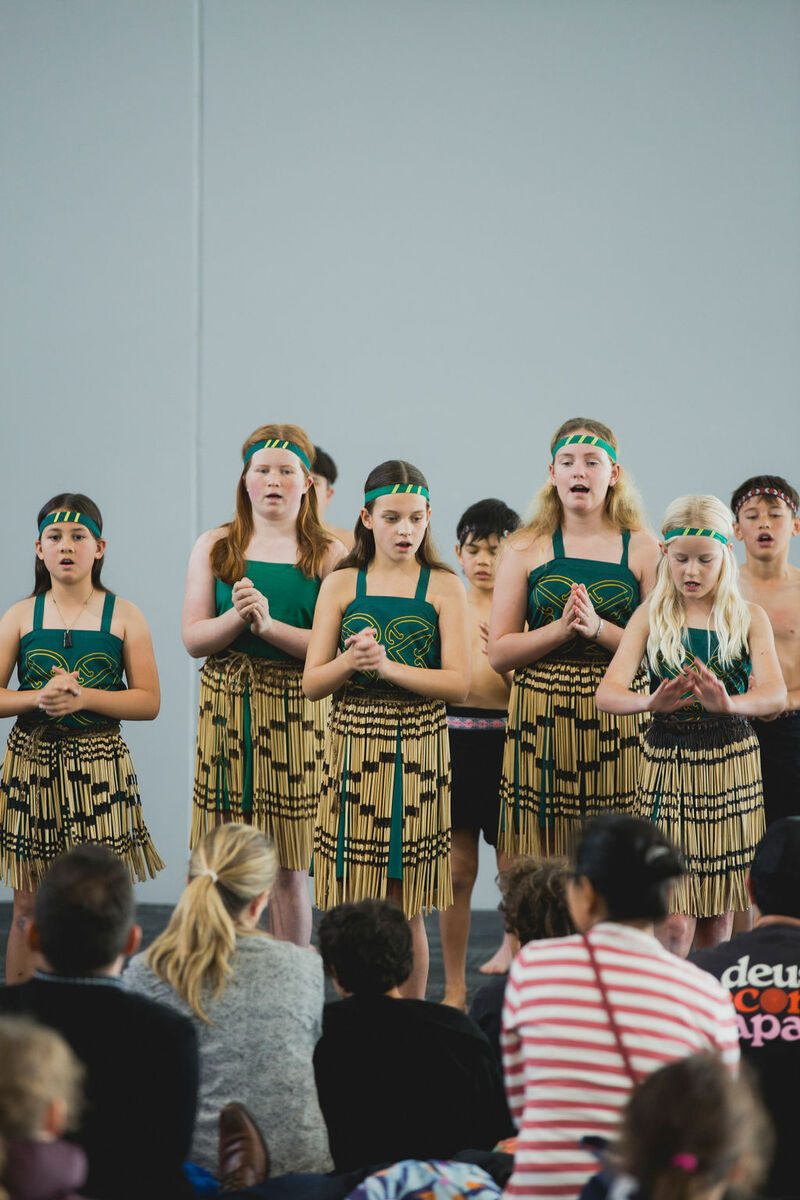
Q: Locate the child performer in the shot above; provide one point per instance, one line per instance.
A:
(399, 618)
(250, 594)
(700, 775)
(67, 775)
(325, 474)
(565, 589)
(767, 516)
(477, 734)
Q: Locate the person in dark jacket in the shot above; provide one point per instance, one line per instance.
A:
(397, 1078)
(140, 1058)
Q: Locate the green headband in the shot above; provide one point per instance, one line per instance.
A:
(72, 518)
(712, 533)
(413, 489)
(585, 439)
(277, 444)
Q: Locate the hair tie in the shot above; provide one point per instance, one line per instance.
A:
(213, 874)
(684, 1162)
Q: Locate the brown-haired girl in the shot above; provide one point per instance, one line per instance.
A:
(251, 589)
(67, 775)
(391, 638)
(564, 591)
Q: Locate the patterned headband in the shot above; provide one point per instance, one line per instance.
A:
(277, 444)
(585, 439)
(70, 518)
(687, 532)
(766, 491)
(397, 489)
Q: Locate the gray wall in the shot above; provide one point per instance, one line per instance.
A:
(428, 229)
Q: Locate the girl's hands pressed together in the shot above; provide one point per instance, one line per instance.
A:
(366, 652)
(585, 620)
(252, 606)
(709, 689)
(61, 694)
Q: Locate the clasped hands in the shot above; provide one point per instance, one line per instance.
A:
(61, 694)
(579, 614)
(252, 606)
(703, 685)
(366, 652)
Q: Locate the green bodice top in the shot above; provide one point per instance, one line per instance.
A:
(95, 654)
(613, 590)
(292, 598)
(702, 644)
(408, 628)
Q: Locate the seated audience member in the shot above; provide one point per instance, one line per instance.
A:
(534, 906)
(324, 475)
(397, 1078)
(690, 1129)
(140, 1059)
(255, 1002)
(40, 1089)
(761, 969)
(587, 1016)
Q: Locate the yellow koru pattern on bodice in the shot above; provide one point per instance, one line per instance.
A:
(702, 645)
(612, 588)
(407, 626)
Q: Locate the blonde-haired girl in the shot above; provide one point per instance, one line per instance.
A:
(256, 1002)
(251, 589)
(565, 589)
(700, 776)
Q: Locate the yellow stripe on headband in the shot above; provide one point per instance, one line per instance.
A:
(585, 439)
(688, 531)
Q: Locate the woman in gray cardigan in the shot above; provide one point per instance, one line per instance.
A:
(256, 1002)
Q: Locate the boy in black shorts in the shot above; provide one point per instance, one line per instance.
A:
(477, 736)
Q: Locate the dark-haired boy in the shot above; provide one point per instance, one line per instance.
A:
(766, 511)
(397, 1078)
(140, 1057)
(477, 737)
(324, 475)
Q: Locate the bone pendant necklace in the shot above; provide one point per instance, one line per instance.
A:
(68, 628)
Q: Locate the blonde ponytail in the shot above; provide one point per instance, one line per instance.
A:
(232, 866)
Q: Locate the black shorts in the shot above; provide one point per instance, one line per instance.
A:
(780, 765)
(476, 755)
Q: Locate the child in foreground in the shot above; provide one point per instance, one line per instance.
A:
(766, 512)
(476, 732)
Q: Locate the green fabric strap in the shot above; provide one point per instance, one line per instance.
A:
(70, 518)
(278, 444)
(397, 489)
(585, 439)
(712, 533)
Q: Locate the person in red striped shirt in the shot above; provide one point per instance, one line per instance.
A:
(587, 1016)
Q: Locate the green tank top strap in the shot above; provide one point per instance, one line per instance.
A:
(108, 612)
(626, 538)
(558, 543)
(38, 611)
(422, 583)
(361, 584)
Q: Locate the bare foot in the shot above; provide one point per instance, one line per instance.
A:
(500, 961)
(456, 1000)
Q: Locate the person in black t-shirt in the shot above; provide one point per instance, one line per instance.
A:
(761, 969)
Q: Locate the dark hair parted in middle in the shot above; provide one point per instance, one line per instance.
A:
(71, 502)
(367, 945)
(534, 898)
(485, 519)
(84, 910)
(630, 863)
(385, 475)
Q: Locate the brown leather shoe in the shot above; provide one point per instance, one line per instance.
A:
(243, 1154)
